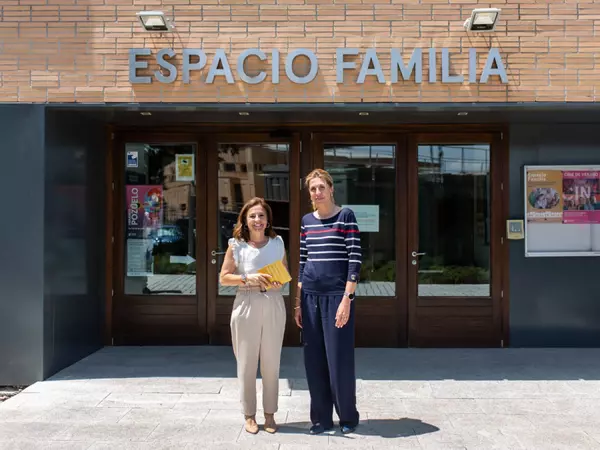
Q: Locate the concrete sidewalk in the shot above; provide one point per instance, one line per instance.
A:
(187, 398)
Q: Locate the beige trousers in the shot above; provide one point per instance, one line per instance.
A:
(257, 327)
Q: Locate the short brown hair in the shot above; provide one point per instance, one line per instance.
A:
(319, 173)
(241, 231)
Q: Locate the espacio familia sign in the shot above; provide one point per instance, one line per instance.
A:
(194, 59)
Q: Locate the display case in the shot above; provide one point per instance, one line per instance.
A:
(562, 210)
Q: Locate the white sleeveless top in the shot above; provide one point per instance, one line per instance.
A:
(249, 259)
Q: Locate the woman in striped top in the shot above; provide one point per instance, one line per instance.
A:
(330, 261)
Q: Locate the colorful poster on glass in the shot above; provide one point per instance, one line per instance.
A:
(144, 214)
(581, 196)
(144, 208)
(544, 196)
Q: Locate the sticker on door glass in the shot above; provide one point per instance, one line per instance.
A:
(132, 159)
(184, 167)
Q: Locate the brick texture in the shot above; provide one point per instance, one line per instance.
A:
(77, 50)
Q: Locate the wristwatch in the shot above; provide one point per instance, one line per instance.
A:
(349, 295)
(244, 278)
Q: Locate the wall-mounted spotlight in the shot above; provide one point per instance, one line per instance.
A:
(482, 19)
(154, 21)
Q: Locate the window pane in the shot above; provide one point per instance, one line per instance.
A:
(160, 224)
(365, 180)
(454, 220)
(253, 170)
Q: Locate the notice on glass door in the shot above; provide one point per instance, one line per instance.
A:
(139, 258)
(184, 167)
(367, 217)
(133, 159)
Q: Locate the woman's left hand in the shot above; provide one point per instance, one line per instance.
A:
(343, 313)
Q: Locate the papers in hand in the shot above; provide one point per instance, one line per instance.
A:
(278, 272)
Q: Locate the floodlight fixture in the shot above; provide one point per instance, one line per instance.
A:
(482, 20)
(154, 21)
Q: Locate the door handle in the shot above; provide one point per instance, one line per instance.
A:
(415, 254)
(215, 253)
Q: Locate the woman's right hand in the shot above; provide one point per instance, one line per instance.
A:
(298, 316)
(259, 279)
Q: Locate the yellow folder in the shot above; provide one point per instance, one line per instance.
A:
(277, 271)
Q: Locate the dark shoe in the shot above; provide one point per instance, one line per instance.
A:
(318, 429)
(346, 429)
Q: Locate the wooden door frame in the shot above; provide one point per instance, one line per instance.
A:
(398, 303)
(498, 298)
(292, 335)
(109, 236)
(117, 215)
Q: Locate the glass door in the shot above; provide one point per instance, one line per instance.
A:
(245, 167)
(159, 269)
(369, 179)
(455, 236)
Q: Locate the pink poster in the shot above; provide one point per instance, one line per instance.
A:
(144, 207)
(581, 196)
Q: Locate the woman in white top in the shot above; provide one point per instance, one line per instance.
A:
(258, 316)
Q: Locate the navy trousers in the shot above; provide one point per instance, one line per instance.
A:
(329, 361)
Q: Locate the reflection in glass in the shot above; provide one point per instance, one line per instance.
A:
(247, 171)
(454, 220)
(364, 178)
(160, 223)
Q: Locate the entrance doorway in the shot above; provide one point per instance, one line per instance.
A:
(370, 177)
(430, 207)
(243, 166)
(456, 249)
(158, 271)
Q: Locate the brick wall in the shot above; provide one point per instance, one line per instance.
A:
(78, 50)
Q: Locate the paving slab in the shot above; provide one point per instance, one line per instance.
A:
(138, 398)
(113, 432)
(32, 444)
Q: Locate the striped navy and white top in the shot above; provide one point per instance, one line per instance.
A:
(330, 253)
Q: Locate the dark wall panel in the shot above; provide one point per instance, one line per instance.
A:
(75, 238)
(21, 243)
(553, 301)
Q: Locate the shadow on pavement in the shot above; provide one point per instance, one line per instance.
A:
(385, 428)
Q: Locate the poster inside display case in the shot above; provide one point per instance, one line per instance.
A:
(562, 211)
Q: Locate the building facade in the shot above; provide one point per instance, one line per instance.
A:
(142, 146)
